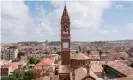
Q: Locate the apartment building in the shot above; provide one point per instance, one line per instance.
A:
(9, 53)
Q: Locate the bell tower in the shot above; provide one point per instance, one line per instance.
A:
(65, 37)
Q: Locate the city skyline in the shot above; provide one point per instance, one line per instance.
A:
(90, 21)
(74, 56)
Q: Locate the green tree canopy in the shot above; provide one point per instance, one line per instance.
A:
(26, 77)
(13, 77)
(15, 73)
(5, 78)
(33, 60)
(30, 74)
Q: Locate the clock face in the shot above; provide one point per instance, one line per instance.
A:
(65, 44)
(65, 29)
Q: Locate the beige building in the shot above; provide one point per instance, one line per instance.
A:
(81, 68)
(9, 53)
(7, 67)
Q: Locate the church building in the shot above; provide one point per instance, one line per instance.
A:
(76, 67)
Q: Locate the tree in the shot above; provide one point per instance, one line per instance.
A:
(88, 51)
(20, 54)
(55, 49)
(5, 78)
(79, 48)
(131, 65)
(56, 61)
(12, 77)
(100, 52)
(33, 60)
(15, 73)
(46, 52)
(37, 61)
(30, 75)
(26, 77)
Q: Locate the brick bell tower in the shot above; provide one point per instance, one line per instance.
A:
(65, 37)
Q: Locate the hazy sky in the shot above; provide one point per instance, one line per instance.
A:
(90, 21)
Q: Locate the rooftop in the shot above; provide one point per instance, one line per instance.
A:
(46, 61)
(96, 68)
(64, 69)
(80, 56)
(122, 68)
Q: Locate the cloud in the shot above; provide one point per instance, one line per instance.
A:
(130, 26)
(86, 21)
(115, 30)
(119, 6)
(14, 21)
(86, 14)
(84, 17)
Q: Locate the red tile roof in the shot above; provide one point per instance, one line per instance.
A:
(46, 61)
(14, 64)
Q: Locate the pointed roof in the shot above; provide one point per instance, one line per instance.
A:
(80, 56)
(65, 13)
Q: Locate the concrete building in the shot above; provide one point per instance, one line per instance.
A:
(7, 67)
(9, 53)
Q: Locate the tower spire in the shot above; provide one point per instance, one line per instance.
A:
(65, 13)
(65, 3)
(65, 37)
